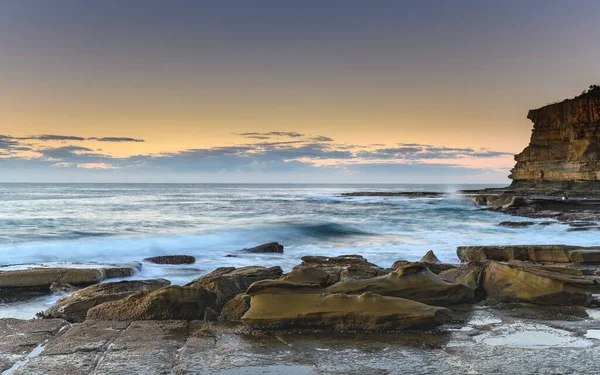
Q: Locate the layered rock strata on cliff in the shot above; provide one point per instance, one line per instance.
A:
(564, 146)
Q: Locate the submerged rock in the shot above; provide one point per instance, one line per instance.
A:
(282, 305)
(271, 247)
(172, 259)
(227, 282)
(414, 281)
(166, 303)
(516, 224)
(510, 282)
(74, 307)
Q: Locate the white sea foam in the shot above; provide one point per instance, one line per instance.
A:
(122, 223)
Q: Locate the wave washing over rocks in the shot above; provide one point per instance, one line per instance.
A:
(505, 309)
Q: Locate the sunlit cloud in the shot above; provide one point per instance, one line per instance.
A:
(281, 152)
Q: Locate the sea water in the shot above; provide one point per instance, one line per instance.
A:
(112, 223)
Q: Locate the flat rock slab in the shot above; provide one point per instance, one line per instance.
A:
(61, 364)
(533, 253)
(18, 338)
(89, 336)
(17, 281)
(217, 351)
(172, 259)
(523, 340)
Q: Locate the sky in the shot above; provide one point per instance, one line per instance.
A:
(337, 91)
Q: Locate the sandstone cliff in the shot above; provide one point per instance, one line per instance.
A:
(565, 144)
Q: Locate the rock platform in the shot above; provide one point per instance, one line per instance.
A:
(516, 339)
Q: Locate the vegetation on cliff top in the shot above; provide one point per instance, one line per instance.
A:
(592, 92)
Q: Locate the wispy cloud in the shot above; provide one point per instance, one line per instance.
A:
(116, 139)
(53, 137)
(268, 135)
(298, 153)
(56, 137)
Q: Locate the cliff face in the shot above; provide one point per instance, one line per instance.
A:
(564, 146)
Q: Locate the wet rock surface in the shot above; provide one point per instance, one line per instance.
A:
(277, 304)
(271, 247)
(42, 279)
(170, 302)
(407, 194)
(343, 267)
(529, 283)
(414, 281)
(172, 259)
(511, 339)
(227, 282)
(236, 308)
(74, 307)
(520, 317)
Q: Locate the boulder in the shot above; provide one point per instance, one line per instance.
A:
(584, 256)
(40, 279)
(282, 305)
(310, 275)
(172, 259)
(532, 253)
(166, 303)
(344, 267)
(271, 247)
(117, 272)
(430, 258)
(211, 315)
(509, 282)
(62, 288)
(435, 267)
(74, 307)
(236, 308)
(415, 282)
(468, 274)
(227, 282)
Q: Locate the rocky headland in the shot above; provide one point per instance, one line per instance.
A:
(558, 174)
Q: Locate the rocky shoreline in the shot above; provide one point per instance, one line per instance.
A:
(499, 300)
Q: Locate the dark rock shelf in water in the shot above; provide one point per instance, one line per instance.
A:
(407, 194)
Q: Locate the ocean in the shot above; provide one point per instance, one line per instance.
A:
(111, 223)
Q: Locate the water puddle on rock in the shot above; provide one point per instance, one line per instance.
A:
(593, 334)
(531, 336)
(270, 370)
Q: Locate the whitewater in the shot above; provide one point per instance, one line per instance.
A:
(112, 223)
